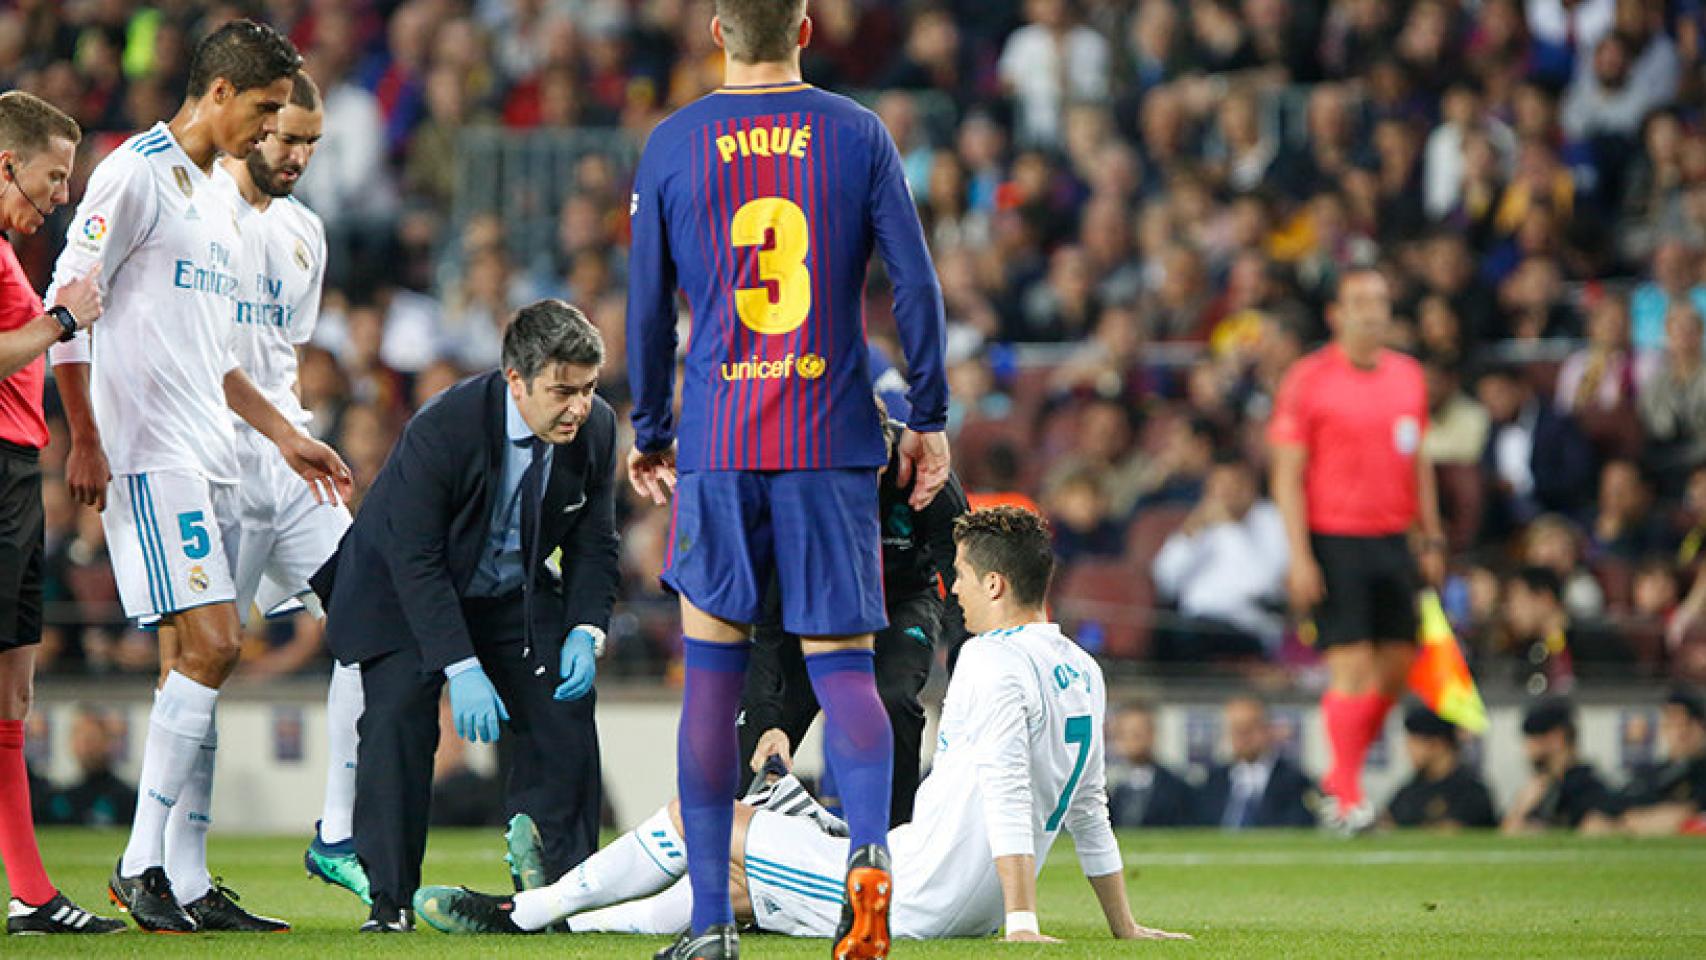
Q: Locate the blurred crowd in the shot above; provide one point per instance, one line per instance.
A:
(1137, 209)
(1243, 772)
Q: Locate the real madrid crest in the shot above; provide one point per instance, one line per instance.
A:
(183, 177)
(198, 578)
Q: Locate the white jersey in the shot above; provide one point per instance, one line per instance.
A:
(1019, 755)
(278, 299)
(169, 247)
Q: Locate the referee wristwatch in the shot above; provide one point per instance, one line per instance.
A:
(67, 322)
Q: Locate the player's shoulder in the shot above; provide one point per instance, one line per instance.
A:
(138, 157)
(1004, 651)
(302, 214)
(1402, 366)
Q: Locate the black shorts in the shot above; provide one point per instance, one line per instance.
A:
(20, 546)
(1371, 590)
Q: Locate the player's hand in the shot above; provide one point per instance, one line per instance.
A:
(82, 297)
(1138, 932)
(1026, 936)
(1305, 584)
(476, 706)
(1431, 561)
(87, 475)
(652, 474)
(327, 474)
(924, 463)
(772, 743)
(578, 667)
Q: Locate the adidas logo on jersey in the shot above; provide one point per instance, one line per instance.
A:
(191, 213)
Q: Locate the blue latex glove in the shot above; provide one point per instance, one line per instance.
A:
(475, 704)
(579, 667)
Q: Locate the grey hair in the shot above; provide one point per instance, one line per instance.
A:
(548, 332)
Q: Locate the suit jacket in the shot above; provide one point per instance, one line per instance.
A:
(1283, 804)
(1167, 803)
(400, 574)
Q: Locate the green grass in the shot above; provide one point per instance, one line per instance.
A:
(1295, 895)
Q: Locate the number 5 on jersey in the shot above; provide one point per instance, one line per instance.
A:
(777, 226)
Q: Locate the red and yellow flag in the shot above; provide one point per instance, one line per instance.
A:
(1440, 676)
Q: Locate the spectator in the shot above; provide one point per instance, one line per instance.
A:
(1442, 794)
(1051, 61)
(1142, 792)
(1600, 384)
(1625, 527)
(1555, 543)
(1457, 424)
(1078, 511)
(1661, 799)
(1462, 114)
(1673, 405)
(98, 798)
(1675, 281)
(1543, 642)
(1537, 459)
(1225, 568)
(1260, 787)
(1563, 791)
(1606, 100)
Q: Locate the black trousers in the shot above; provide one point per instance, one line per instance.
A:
(554, 770)
(778, 687)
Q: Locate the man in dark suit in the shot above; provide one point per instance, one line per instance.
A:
(483, 556)
(1261, 787)
(1141, 791)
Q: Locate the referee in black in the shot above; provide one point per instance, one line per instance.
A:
(38, 144)
(918, 575)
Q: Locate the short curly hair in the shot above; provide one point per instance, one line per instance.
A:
(1013, 542)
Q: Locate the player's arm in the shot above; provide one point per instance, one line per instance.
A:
(317, 463)
(19, 347)
(936, 524)
(1002, 750)
(1430, 531)
(590, 554)
(918, 315)
(116, 214)
(1287, 437)
(651, 333)
(416, 518)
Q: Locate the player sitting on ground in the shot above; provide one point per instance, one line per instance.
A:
(1019, 756)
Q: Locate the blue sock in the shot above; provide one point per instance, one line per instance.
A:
(857, 742)
(708, 772)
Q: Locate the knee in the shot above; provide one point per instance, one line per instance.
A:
(210, 657)
(16, 698)
(675, 817)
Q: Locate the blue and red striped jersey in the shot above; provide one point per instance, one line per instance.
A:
(763, 205)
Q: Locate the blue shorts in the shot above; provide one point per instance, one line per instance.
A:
(816, 531)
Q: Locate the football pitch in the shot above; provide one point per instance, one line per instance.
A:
(1250, 895)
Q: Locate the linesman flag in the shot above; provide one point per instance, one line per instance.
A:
(1440, 676)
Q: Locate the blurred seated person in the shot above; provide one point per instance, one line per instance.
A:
(461, 796)
(1261, 787)
(98, 798)
(1557, 544)
(1178, 471)
(1078, 511)
(1225, 568)
(1443, 794)
(1547, 647)
(1564, 791)
(1662, 798)
(1673, 403)
(1142, 792)
(1600, 384)
(1536, 459)
(1625, 525)
(1457, 423)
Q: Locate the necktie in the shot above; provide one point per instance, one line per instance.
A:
(531, 492)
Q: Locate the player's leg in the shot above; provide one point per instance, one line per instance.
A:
(718, 561)
(1353, 701)
(20, 631)
(905, 650)
(645, 860)
(832, 597)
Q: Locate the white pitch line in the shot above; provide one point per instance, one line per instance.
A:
(1271, 858)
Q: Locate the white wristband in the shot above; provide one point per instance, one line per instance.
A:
(1022, 921)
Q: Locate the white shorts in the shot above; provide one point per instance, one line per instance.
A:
(794, 875)
(173, 537)
(286, 535)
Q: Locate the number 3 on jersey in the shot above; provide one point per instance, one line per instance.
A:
(1077, 733)
(777, 226)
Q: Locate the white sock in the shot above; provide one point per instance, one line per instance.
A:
(638, 863)
(344, 702)
(179, 722)
(667, 914)
(186, 829)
